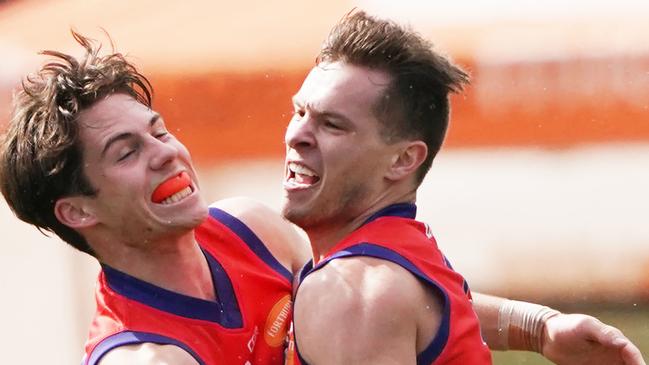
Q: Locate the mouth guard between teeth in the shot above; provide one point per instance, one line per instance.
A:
(170, 187)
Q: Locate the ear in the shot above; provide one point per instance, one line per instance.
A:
(74, 212)
(407, 160)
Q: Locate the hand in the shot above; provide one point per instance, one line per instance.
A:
(576, 339)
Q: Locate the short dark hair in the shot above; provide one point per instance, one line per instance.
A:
(416, 103)
(41, 157)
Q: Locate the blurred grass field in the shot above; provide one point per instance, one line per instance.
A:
(632, 319)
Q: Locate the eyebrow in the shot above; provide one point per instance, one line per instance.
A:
(319, 113)
(126, 135)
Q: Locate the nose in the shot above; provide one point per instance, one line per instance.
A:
(162, 154)
(299, 133)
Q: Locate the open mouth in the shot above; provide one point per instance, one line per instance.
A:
(173, 190)
(300, 176)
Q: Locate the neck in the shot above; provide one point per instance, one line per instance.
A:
(174, 263)
(325, 235)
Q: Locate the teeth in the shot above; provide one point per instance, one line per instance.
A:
(300, 169)
(178, 196)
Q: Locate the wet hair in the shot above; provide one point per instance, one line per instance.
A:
(41, 157)
(415, 105)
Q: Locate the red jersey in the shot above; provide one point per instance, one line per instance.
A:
(392, 234)
(247, 324)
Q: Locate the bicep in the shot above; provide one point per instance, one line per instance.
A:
(148, 354)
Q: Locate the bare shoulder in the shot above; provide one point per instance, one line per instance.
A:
(363, 304)
(280, 236)
(241, 206)
(148, 354)
(365, 283)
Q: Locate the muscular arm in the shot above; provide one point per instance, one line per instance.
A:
(280, 236)
(487, 308)
(564, 338)
(148, 354)
(364, 311)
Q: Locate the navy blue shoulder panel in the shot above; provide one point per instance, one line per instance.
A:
(251, 239)
(133, 338)
(434, 349)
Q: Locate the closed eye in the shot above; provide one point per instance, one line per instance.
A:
(332, 125)
(161, 135)
(125, 156)
(128, 150)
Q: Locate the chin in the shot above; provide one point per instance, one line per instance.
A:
(294, 215)
(198, 217)
(189, 220)
(303, 218)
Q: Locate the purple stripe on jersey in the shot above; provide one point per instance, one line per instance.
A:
(434, 349)
(306, 269)
(133, 338)
(251, 239)
(224, 311)
(448, 263)
(403, 210)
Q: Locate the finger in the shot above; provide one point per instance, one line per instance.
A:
(631, 355)
(608, 335)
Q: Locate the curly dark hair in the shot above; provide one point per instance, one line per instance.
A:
(416, 103)
(40, 154)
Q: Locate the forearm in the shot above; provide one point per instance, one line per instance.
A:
(487, 308)
(511, 325)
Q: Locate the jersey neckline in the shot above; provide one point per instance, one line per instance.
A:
(224, 310)
(403, 210)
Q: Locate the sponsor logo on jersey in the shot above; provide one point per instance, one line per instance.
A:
(277, 322)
